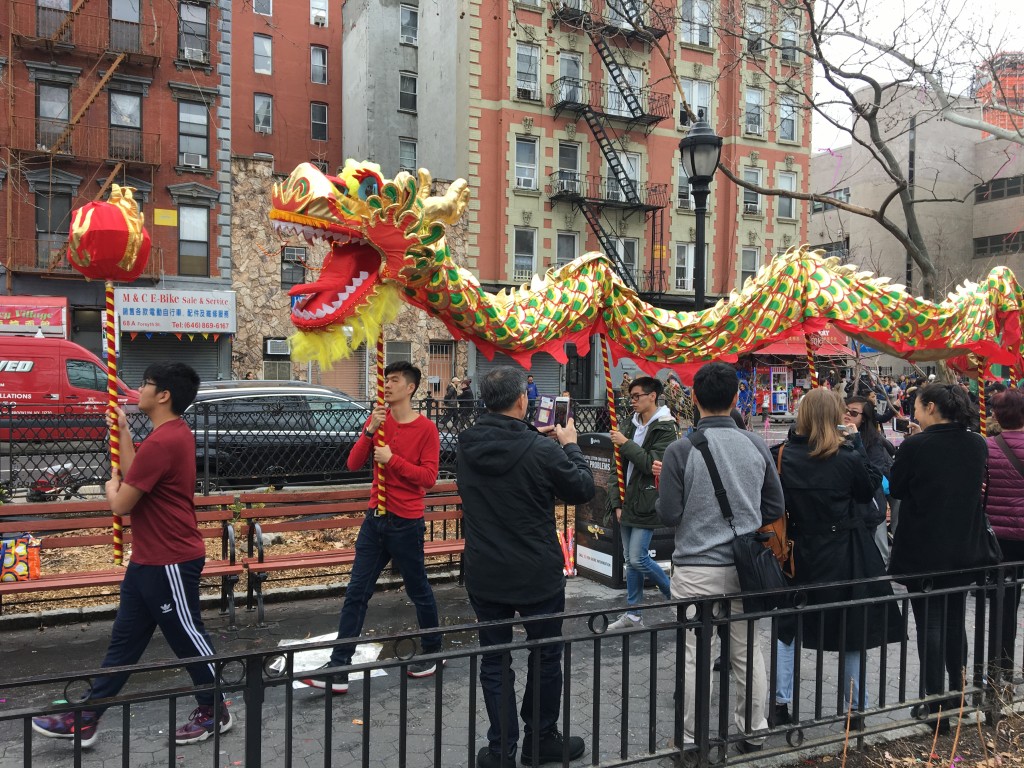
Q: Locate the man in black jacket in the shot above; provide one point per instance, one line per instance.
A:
(509, 476)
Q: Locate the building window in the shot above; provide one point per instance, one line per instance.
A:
(627, 248)
(755, 28)
(684, 199)
(570, 74)
(53, 217)
(685, 253)
(753, 108)
(1009, 244)
(262, 54)
(318, 121)
(843, 195)
(569, 167)
(698, 97)
(263, 108)
(410, 29)
(320, 165)
(839, 249)
(526, 163)
(193, 134)
(997, 189)
(617, 98)
(193, 241)
(527, 72)
(751, 199)
(293, 265)
(786, 206)
(407, 155)
(750, 262)
(193, 33)
(125, 126)
(263, 7)
(397, 352)
(407, 91)
(787, 118)
(617, 190)
(566, 248)
(696, 25)
(789, 38)
(525, 246)
(318, 64)
(318, 13)
(53, 109)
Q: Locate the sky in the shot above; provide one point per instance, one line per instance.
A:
(1000, 18)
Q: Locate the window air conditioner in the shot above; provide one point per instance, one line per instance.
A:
(277, 347)
(193, 159)
(684, 202)
(754, 129)
(569, 185)
(532, 94)
(264, 129)
(409, 39)
(524, 182)
(320, 19)
(753, 208)
(195, 54)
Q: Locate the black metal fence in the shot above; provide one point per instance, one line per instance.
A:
(619, 691)
(64, 454)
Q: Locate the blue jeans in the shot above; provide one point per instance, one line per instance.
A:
(380, 541)
(784, 676)
(636, 549)
(498, 680)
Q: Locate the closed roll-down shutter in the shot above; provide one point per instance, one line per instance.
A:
(348, 375)
(140, 353)
(546, 371)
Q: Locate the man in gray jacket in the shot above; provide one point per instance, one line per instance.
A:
(703, 560)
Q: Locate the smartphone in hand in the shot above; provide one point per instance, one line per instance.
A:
(562, 411)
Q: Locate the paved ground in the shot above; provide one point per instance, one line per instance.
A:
(438, 713)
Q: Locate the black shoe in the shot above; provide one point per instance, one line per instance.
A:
(337, 683)
(718, 665)
(943, 726)
(551, 744)
(748, 747)
(857, 722)
(487, 759)
(780, 715)
(423, 668)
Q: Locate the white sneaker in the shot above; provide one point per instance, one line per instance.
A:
(626, 621)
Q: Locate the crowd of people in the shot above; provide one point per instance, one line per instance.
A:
(835, 478)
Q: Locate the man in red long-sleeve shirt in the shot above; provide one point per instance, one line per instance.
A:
(409, 457)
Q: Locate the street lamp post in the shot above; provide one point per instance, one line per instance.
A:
(700, 150)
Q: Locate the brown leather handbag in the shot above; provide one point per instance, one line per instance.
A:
(778, 542)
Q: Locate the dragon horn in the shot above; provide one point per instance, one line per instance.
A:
(448, 207)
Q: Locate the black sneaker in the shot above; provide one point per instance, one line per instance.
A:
(780, 714)
(424, 668)
(338, 683)
(487, 759)
(551, 744)
(748, 747)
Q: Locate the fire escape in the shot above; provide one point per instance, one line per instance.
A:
(53, 139)
(611, 111)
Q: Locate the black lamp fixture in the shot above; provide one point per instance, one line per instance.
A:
(700, 150)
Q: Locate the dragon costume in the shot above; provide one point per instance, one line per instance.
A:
(387, 246)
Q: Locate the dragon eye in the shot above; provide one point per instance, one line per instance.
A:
(370, 186)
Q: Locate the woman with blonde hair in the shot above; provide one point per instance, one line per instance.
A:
(827, 480)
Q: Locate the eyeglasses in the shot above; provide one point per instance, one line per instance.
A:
(636, 396)
(146, 383)
(853, 414)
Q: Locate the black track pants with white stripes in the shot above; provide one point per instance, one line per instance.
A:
(165, 596)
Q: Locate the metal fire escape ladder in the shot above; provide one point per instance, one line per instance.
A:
(592, 214)
(70, 127)
(626, 184)
(629, 96)
(658, 255)
(69, 19)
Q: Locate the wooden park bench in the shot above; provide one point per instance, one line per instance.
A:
(91, 522)
(289, 511)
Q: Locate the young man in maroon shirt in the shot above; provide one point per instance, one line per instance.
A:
(409, 457)
(161, 584)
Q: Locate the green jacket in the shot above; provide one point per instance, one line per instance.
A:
(641, 495)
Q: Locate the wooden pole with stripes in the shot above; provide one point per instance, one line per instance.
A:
(812, 369)
(378, 468)
(620, 476)
(982, 407)
(115, 429)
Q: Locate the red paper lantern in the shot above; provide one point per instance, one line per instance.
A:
(108, 240)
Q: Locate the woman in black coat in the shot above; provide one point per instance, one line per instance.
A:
(861, 415)
(827, 482)
(937, 476)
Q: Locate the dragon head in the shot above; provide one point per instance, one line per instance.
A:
(381, 233)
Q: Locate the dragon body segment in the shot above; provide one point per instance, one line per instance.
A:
(387, 246)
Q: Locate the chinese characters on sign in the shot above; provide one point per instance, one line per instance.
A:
(150, 310)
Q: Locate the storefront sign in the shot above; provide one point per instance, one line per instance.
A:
(27, 315)
(156, 311)
(165, 217)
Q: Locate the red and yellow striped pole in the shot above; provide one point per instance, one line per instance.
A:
(981, 399)
(115, 429)
(613, 418)
(812, 369)
(378, 468)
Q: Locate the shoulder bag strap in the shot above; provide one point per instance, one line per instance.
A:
(700, 442)
(1005, 448)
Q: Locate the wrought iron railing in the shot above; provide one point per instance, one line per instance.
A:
(606, 98)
